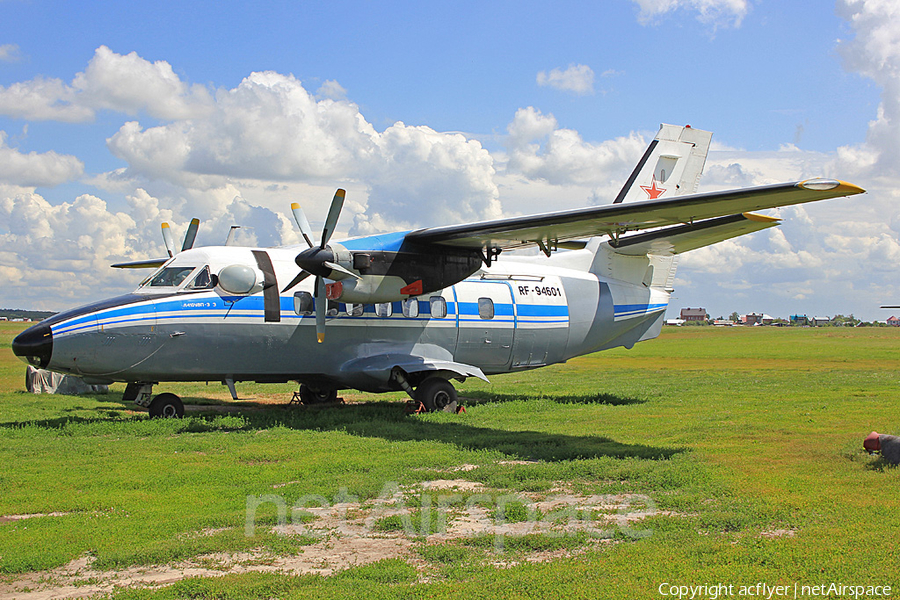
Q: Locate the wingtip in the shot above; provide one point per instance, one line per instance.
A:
(831, 185)
(850, 188)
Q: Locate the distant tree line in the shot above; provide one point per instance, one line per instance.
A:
(20, 313)
(835, 321)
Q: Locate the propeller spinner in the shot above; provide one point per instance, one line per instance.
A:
(319, 260)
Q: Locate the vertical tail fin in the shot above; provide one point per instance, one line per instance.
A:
(671, 166)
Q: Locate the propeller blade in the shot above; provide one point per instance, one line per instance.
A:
(321, 306)
(340, 269)
(333, 213)
(302, 223)
(167, 238)
(300, 277)
(191, 235)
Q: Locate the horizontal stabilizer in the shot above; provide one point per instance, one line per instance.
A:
(682, 238)
(151, 263)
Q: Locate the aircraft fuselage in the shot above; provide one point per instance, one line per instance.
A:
(518, 314)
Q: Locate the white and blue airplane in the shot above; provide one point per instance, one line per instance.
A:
(413, 310)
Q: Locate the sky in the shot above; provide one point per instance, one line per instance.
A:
(116, 116)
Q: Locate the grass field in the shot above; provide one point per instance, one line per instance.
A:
(708, 456)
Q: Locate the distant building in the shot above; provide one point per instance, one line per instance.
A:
(893, 321)
(752, 319)
(820, 321)
(800, 320)
(675, 322)
(694, 315)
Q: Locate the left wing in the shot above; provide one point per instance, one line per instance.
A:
(547, 229)
(683, 238)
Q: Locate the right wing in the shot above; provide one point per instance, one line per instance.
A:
(614, 219)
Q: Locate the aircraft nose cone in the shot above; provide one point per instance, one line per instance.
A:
(34, 345)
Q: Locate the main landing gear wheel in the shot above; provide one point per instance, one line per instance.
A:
(166, 406)
(311, 396)
(437, 394)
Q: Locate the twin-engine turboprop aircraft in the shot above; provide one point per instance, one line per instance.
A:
(413, 310)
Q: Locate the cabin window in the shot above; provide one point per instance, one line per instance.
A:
(355, 310)
(203, 281)
(384, 310)
(170, 277)
(410, 308)
(438, 307)
(304, 304)
(485, 308)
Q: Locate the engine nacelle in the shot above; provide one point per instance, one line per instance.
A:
(371, 289)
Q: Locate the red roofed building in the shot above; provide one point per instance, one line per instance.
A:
(694, 314)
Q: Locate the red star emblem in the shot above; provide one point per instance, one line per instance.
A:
(653, 191)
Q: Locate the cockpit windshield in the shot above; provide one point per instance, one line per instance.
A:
(169, 277)
(203, 280)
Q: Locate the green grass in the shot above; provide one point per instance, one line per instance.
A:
(739, 431)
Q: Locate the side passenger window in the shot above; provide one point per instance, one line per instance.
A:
(384, 310)
(485, 308)
(438, 307)
(303, 303)
(410, 308)
(331, 309)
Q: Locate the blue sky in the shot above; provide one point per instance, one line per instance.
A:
(128, 113)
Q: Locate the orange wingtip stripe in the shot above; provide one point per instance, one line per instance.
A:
(760, 218)
(850, 188)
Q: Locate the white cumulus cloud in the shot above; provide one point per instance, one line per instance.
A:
(123, 83)
(538, 149)
(9, 53)
(875, 53)
(714, 12)
(578, 79)
(46, 169)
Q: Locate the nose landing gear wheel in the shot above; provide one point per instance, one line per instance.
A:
(437, 394)
(166, 406)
